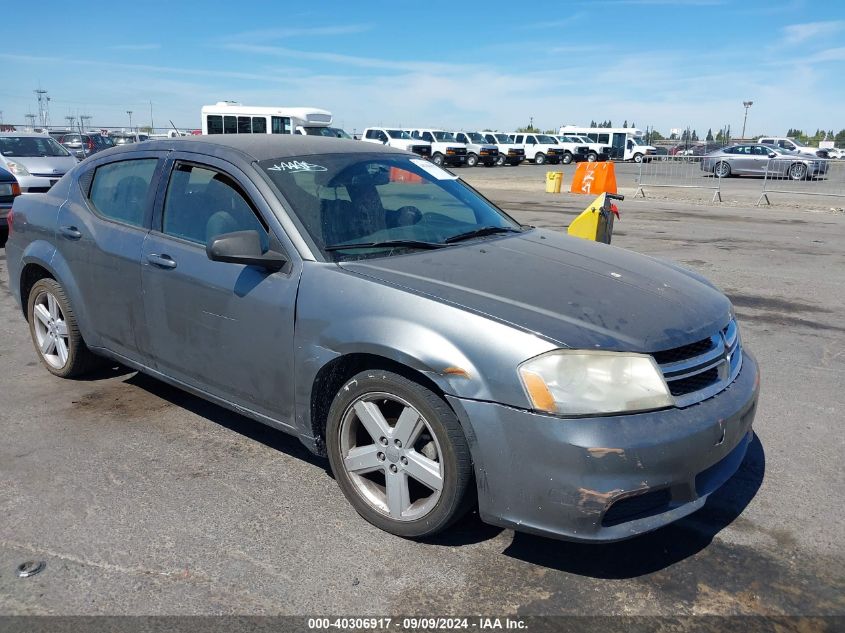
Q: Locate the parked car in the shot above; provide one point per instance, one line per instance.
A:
(573, 150)
(541, 148)
(37, 161)
(393, 319)
(83, 145)
(756, 159)
(595, 151)
(510, 153)
(9, 190)
(479, 149)
(793, 145)
(400, 139)
(445, 149)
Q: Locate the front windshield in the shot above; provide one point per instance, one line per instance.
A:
(347, 199)
(444, 136)
(504, 138)
(31, 146)
(797, 142)
(546, 139)
(475, 137)
(638, 141)
(332, 132)
(399, 134)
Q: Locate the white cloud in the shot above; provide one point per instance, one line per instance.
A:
(801, 33)
(265, 35)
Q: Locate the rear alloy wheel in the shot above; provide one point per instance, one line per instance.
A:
(399, 454)
(437, 159)
(567, 158)
(539, 158)
(722, 170)
(798, 171)
(54, 331)
(592, 157)
(472, 160)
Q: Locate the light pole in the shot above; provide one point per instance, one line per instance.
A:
(129, 112)
(747, 105)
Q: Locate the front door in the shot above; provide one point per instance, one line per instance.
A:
(224, 328)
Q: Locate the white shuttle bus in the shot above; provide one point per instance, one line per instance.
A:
(626, 143)
(230, 117)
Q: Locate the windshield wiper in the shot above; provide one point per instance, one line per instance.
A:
(385, 244)
(480, 232)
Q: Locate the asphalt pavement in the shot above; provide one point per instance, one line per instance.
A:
(145, 500)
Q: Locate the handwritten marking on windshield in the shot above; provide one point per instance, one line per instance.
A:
(296, 166)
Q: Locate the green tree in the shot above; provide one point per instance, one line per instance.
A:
(625, 124)
(709, 136)
(654, 135)
(528, 128)
(839, 139)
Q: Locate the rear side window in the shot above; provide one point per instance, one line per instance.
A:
(203, 203)
(119, 190)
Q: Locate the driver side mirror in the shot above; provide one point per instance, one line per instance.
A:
(773, 155)
(243, 247)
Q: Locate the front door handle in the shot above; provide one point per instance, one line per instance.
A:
(162, 261)
(70, 232)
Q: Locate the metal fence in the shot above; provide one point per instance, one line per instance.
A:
(677, 171)
(796, 175)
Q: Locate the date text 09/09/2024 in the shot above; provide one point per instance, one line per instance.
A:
(416, 623)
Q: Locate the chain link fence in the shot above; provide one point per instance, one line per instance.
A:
(683, 172)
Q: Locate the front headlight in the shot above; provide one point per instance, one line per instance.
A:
(17, 169)
(580, 382)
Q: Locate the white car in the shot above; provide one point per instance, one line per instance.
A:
(595, 151)
(479, 149)
(395, 137)
(509, 152)
(445, 149)
(541, 148)
(794, 145)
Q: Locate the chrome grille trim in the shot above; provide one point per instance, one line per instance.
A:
(725, 355)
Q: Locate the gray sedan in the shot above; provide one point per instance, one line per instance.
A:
(36, 160)
(440, 354)
(756, 159)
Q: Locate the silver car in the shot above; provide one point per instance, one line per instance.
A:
(438, 352)
(756, 159)
(36, 160)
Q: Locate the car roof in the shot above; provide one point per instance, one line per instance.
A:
(260, 146)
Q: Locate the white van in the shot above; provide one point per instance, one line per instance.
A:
(230, 117)
(509, 152)
(479, 150)
(395, 137)
(540, 148)
(626, 143)
(445, 150)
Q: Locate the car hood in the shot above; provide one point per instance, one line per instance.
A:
(46, 164)
(577, 293)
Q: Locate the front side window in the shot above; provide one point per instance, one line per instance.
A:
(350, 199)
(202, 203)
(119, 190)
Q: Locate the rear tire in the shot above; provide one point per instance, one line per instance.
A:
(393, 482)
(55, 332)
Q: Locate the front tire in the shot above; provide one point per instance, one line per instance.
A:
(437, 159)
(539, 158)
(472, 160)
(567, 158)
(798, 171)
(638, 158)
(398, 454)
(500, 160)
(722, 170)
(592, 157)
(55, 332)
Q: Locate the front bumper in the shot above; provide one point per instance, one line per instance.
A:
(4, 213)
(455, 159)
(37, 184)
(606, 478)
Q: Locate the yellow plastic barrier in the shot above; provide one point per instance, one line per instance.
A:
(554, 179)
(592, 223)
(594, 178)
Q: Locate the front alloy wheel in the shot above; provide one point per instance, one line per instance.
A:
(567, 158)
(437, 159)
(798, 171)
(472, 160)
(398, 454)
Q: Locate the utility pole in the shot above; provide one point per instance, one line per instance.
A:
(84, 118)
(30, 121)
(43, 106)
(152, 125)
(746, 104)
(129, 112)
(70, 119)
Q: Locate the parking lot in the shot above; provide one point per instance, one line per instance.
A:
(146, 500)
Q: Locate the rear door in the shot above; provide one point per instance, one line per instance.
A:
(100, 232)
(224, 328)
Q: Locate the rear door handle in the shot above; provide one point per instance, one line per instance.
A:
(162, 261)
(70, 232)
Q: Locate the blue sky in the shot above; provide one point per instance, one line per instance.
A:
(663, 63)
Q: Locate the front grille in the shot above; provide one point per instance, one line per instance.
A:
(38, 190)
(422, 150)
(699, 370)
(458, 151)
